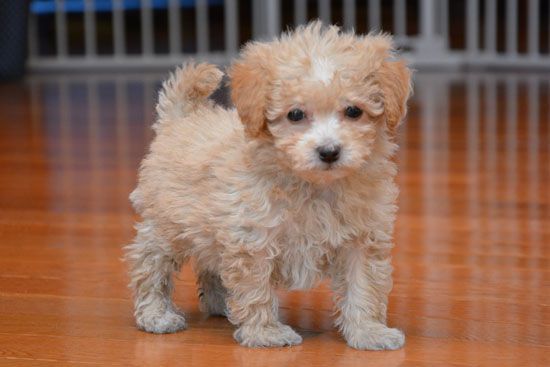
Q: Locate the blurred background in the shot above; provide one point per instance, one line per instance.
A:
(93, 34)
(79, 84)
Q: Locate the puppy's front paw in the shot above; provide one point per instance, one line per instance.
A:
(376, 337)
(165, 322)
(277, 335)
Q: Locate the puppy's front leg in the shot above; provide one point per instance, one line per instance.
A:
(362, 281)
(252, 302)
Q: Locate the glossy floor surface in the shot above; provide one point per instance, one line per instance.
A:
(472, 261)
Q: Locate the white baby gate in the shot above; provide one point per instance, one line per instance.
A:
(428, 45)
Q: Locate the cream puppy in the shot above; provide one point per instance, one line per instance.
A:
(293, 185)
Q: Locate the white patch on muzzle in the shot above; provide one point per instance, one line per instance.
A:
(324, 132)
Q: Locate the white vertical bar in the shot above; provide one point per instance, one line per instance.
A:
(146, 27)
(273, 17)
(60, 29)
(174, 27)
(472, 26)
(89, 28)
(257, 19)
(300, 12)
(444, 16)
(324, 10)
(399, 17)
(490, 26)
(118, 28)
(427, 19)
(349, 14)
(231, 15)
(533, 28)
(511, 27)
(201, 11)
(374, 15)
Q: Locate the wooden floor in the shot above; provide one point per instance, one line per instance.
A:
(472, 278)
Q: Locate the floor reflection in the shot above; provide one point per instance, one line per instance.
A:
(472, 207)
(472, 258)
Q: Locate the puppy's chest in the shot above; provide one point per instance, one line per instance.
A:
(321, 220)
(301, 266)
(308, 239)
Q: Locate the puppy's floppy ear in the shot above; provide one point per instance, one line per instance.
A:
(249, 79)
(394, 78)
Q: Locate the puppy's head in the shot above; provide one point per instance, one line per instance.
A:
(321, 98)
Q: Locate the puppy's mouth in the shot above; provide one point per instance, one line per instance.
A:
(329, 167)
(325, 174)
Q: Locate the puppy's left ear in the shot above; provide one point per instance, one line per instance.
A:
(249, 79)
(394, 77)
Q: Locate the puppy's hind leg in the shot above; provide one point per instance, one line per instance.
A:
(212, 294)
(152, 262)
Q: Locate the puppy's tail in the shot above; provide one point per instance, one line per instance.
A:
(186, 89)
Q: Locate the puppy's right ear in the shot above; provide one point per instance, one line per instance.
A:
(249, 79)
(394, 78)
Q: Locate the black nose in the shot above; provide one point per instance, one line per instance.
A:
(329, 154)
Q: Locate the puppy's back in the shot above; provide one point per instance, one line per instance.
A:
(192, 135)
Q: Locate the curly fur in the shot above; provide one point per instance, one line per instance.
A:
(242, 192)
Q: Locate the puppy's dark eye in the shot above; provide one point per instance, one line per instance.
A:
(353, 112)
(296, 115)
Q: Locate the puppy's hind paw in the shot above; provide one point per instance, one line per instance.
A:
(169, 321)
(277, 335)
(213, 306)
(376, 337)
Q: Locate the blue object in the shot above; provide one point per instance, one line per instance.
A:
(77, 6)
